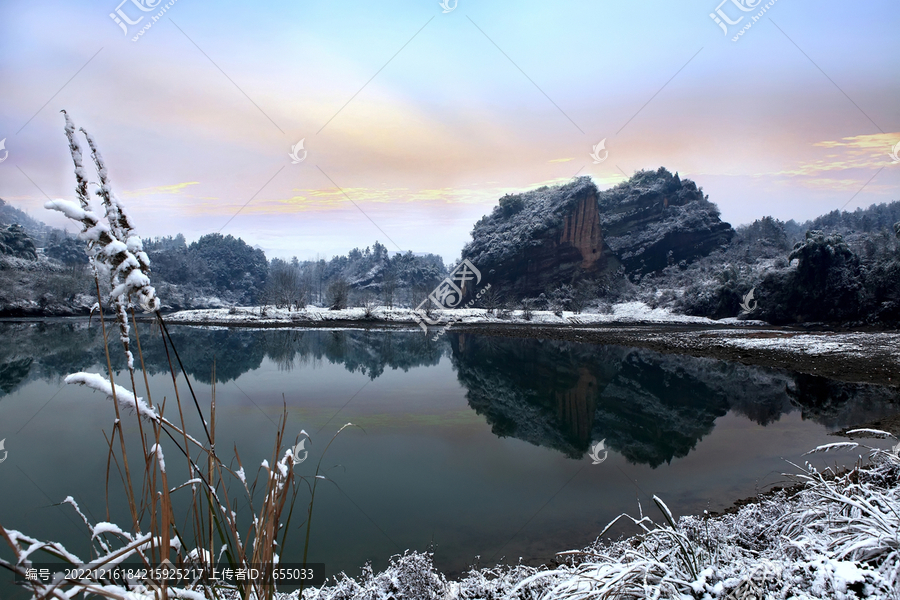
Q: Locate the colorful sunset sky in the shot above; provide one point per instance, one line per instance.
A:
(416, 117)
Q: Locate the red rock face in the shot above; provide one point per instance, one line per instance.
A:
(572, 251)
(581, 229)
(536, 241)
(567, 253)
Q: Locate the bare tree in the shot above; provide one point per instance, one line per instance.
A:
(491, 300)
(338, 293)
(582, 294)
(285, 286)
(368, 303)
(527, 305)
(389, 287)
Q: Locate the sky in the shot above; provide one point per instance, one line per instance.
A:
(415, 117)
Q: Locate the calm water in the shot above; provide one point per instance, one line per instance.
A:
(472, 446)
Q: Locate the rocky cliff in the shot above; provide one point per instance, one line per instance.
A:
(541, 239)
(548, 237)
(655, 219)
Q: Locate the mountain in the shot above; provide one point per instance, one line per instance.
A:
(655, 219)
(548, 237)
(10, 215)
(542, 238)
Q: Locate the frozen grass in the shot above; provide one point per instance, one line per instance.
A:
(209, 531)
(836, 538)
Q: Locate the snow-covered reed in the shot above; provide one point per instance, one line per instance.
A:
(210, 531)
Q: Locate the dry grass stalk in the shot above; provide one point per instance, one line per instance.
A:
(155, 535)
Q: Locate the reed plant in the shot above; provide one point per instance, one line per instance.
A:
(209, 532)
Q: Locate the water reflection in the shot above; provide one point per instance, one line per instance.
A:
(51, 350)
(649, 407)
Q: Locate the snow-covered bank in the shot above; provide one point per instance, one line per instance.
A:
(851, 356)
(627, 312)
(819, 344)
(838, 538)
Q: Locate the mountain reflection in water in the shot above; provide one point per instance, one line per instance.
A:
(649, 407)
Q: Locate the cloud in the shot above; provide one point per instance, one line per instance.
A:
(177, 188)
(325, 200)
(856, 152)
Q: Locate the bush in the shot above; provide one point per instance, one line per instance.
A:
(527, 306)
(338, 293)
(825, 286)
(15, 242)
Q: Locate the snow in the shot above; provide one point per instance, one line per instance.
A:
(835, 446)
(104, 527)
(101, 384)
(115, 247)
(815, 344)
(134, 281)
(875, 432)
(157, 450)
(70, 209)
(627, 312)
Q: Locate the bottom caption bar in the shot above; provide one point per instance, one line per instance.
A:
(287, 574)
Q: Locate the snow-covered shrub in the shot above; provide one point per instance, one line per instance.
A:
(411, 575)
(835, 538)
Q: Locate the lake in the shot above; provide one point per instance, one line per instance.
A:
(476, 447)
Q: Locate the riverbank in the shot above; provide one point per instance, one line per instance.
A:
(833, 537)
(855, 356)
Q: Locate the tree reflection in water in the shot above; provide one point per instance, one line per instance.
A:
(649, 407)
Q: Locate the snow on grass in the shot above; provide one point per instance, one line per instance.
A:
(836, 538)
(161, 459)
(104, 527)
(627, 312)
(125, 398)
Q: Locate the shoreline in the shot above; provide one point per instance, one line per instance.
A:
(858, 355)
(852, 357)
